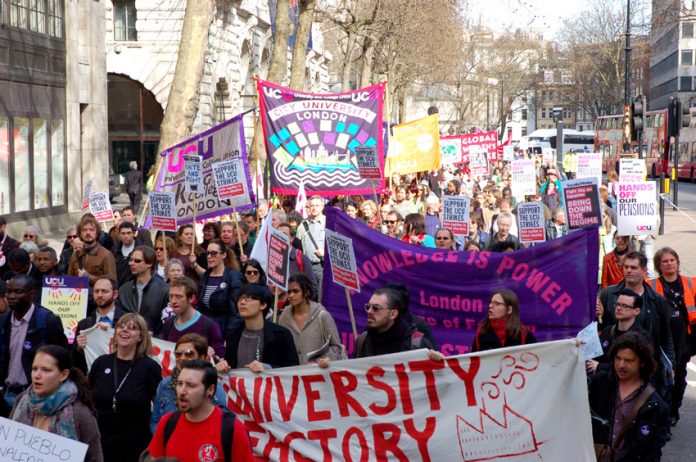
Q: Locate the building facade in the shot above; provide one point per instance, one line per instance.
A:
(52, 109)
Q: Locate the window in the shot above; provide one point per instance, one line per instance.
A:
(687, 30)
(686, 84)
(524, 114)
(543, 112)
(687, 57)
(40, 163)
(18, 13)
(124, 21)
(55, 18)
(57, 163)
(21, 164)
(37, 16)
(524, 131)
(4, 166)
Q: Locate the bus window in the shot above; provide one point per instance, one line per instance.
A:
(683, 152)
(693, 150)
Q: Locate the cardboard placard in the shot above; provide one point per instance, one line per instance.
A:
(67, 297)
(19, 442)
(368, 162)
(523, 178)
(455, 214)
(163, 211)
(229, 178)
(631, 170)
(637, 210)
(193, 173)
(530, 222)
(100, 207)
(342, 259)
(278, 266)
(582, 203)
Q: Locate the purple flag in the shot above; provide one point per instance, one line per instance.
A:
(556, 283)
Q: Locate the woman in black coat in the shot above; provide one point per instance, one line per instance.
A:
(502, 326)
(218, 287)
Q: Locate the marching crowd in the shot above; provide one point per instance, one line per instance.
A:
(215, 303)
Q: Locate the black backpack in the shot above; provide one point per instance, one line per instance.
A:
(226, 434)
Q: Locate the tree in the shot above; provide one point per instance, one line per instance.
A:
(299, 53)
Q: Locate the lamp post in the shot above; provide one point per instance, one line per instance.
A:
(627, 65)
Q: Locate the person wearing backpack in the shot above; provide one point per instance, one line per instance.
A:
(387, 331)
(23, 329)
(199, 430)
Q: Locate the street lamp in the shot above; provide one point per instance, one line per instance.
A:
(627, 73)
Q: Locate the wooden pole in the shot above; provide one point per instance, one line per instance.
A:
(239, 233)
(164, 248)
(352, 315)
(195, 206)
(147, 200)
(275, 305)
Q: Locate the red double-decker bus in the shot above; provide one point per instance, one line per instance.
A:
(609, 140)
(687, 150)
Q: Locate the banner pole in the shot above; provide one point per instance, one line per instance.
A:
(164, 249)
(147, 200)
(195, 207)
(275, 306)
(352, 315)
(239, 234)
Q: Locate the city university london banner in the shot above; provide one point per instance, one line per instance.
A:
(556, 283)
(220, 143)
(526, 403)
(414, 147)
(316, 138)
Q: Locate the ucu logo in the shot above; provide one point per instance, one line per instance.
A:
(362, 96)
(54, 281)
(276, 93)
(644, 228)
(175, 161)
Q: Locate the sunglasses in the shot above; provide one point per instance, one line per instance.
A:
(159, 249)
(135, 260)
(29, 236)
(213, 253)
(72, 236)
(390, 222)
(374, 307)
(186, 353)
(251, 272)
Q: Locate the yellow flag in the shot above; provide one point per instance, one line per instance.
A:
(415, 147)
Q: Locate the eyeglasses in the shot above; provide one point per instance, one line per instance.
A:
(247, 298)
(127, 327)
(621, 306)
(135, 260)
(374, 307)
(186, 353)
(496, 303)
(213, 253)
(159, 249)
(251, 272)
(72, 236)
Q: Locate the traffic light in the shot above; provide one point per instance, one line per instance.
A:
(674, 117)
(638, 113)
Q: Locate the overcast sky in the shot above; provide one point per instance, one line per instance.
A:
(546, 15)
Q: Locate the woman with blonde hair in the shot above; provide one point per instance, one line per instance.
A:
(369, 213)
(189, 252)
(163, 243)
(124, 384)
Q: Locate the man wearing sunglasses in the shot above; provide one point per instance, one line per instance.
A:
(387, 332)
(187, 319)
(146, 294)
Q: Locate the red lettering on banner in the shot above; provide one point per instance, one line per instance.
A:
(550, 291)
(252, 428)
(537, 280)
(323, 437)
(258, 387)
(422, 437)
(287, 405)
(362, 445)
(372, 374)
(289, 438)
(344, 384)
(246, 406)
(427, 367)
(404, 390)
(408, 258)
(505, 264)
(271, 444)
(467, 376)
(268, 392)
(312, 396)
(390, 444)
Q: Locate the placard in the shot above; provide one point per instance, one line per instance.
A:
(582, 203)
(229, 178)
(590, 165)
(455, 214)
(478, 161)
(193, 173)
(67, 297)
(24, 443)
(450, 150)
(523, 178)
(482, 141)
(278, 266)
(637, 209)
(508, 153)
(100, 207)
(631, 170)
(530, 222)
(342, 259)
(368, 162)
(86, 194)
(163, 211)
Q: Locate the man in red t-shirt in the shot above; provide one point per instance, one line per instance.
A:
(196, 435)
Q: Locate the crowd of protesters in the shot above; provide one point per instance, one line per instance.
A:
(214, 302)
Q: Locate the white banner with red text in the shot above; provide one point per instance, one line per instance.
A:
(525, 403)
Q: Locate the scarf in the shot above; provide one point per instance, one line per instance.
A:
(498, 326)
(58, 407)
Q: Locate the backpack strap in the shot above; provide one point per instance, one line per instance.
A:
(653, 284)
(227, 433)
(170, 425)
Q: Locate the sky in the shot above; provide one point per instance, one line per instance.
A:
(547, 15)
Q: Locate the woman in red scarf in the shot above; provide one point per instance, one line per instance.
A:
(502, 326)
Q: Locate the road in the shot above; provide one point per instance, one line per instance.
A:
(680, 233)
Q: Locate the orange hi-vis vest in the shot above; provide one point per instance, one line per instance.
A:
(689, 296)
